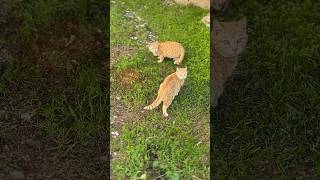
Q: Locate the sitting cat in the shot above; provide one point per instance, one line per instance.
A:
(169, 88)
(167, 49)
(229, 41)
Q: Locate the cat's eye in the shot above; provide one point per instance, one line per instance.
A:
(226, 42)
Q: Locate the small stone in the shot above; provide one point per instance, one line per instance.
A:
(115, 133)
(2, 112)
(34, 141)
(26, 116)
(115, 117)
(17, 174)
(104, 158)
(72, 38)
(118, 98)
(143, 176)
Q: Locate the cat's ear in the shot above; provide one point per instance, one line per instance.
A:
(243, 23)
(217, 27)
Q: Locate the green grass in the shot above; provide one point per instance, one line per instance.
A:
(267, 124)
(152, 144)
(38, 14)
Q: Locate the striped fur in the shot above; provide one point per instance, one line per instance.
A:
(169, 88)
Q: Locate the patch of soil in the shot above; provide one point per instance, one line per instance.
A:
(129, 77)
(64, 49)
(120, 113)
(119, 51)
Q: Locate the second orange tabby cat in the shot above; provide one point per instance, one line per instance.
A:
(169, 88)
(167, 49)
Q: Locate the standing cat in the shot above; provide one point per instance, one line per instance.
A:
(167, 49)
(169, 88)
(229, 40)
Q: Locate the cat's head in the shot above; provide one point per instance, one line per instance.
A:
(230, 38)
(153, 47)
(181, 73)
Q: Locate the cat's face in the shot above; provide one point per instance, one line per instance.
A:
(153, 47)
(181, 73)
(230, 38)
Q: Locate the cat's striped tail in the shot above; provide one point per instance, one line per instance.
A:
(155, 103)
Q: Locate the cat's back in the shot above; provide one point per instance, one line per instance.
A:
(171, 84)
(171, 48)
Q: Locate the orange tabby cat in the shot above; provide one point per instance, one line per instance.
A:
(169, 88)
(167, 49)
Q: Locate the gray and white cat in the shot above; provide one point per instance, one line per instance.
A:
(229, 41)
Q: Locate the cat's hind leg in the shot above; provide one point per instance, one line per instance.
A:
(166, 103)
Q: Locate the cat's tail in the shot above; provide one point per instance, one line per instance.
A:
(155, 103)
(181, 57)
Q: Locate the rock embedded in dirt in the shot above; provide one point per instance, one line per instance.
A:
(33, 141)
(104, 158)
(26, 116)
(17, 174)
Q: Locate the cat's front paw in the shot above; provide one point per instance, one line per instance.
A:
(214, 103)
(165, 114)
(177, 63)
(159, 61)
(147, 108)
